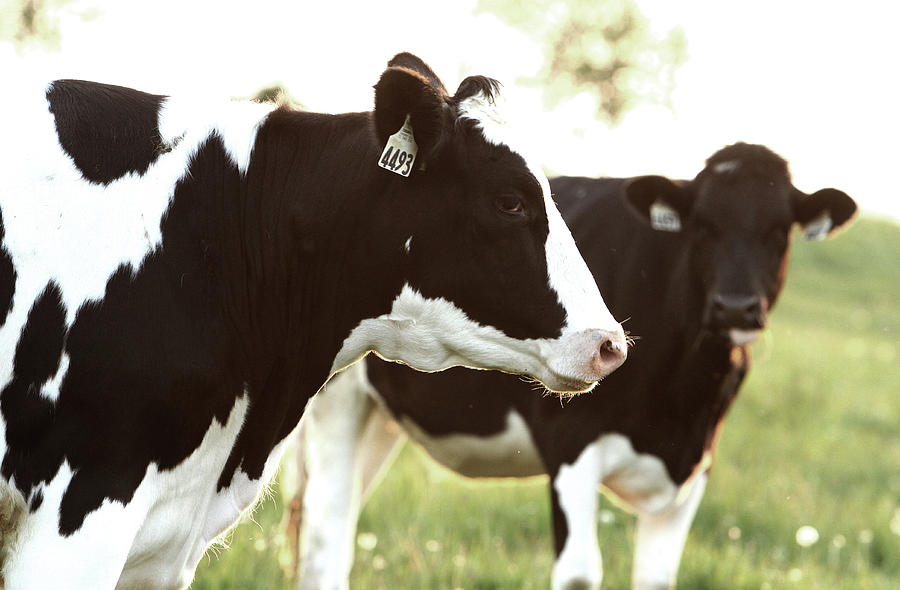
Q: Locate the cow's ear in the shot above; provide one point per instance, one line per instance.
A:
(663, 203)
(408, 87)
(822, 213)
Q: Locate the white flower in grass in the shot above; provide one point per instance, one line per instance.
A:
(807, 536)
(432, 545)
(366, 541)
(379, 562)
(607, 516)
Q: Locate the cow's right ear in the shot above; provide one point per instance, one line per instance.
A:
(663, 203)
(403, 91)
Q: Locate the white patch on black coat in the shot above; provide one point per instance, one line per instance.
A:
(509, 453)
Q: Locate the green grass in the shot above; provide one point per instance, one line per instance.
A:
(813, 439)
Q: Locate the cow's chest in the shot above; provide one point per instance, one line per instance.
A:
(508, 453)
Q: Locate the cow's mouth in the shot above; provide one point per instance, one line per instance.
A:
(743, 337)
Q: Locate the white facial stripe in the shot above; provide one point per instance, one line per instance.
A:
(497, 131)
(573, 281)
(569, 276)
(723, 167)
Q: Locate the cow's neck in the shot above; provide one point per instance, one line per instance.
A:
(324, 269)
(698, 378)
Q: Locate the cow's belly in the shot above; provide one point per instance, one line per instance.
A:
(509, 453)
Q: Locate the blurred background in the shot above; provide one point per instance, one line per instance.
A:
(806, 489)
(614, 87)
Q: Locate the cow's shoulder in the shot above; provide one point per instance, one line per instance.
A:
(107, 130)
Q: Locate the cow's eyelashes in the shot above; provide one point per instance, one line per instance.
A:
(510, 205)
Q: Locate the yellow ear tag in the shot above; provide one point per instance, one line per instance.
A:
(400, 152)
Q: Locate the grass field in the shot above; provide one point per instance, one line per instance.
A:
(812, 441)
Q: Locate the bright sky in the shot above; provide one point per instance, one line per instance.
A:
(814, 80)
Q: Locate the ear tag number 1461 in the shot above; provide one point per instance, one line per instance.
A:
(400, 152)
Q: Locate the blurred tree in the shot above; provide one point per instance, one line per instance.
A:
(603, 47)
(27, 22)
(277, 93)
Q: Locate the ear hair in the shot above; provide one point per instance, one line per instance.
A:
(412, 62)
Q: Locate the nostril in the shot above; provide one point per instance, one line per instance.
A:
(613, 347)
(736, 310)
(611, 350)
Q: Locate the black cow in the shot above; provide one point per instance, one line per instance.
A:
(696, 270)
(177, 280)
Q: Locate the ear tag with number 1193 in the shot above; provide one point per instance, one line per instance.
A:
(400, 152)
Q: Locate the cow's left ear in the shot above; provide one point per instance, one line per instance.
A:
(823, 212)
(408, 87)
(663, 203)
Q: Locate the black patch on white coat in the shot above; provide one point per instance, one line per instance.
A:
(29, 416)
(7, 276)
(107, 130)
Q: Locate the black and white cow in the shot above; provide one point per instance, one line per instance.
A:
(696, 270)
(177, 280)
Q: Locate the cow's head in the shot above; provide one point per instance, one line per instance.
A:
(737, 215)
(492, 277)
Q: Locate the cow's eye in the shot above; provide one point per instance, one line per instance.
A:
(511, 205)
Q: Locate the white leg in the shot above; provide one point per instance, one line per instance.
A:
(377, 448)
(340, 464)
(579, 565)
(660, 538)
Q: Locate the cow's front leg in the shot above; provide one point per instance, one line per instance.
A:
(345, 441)
(660, 538)
(90, 558)
(574, 499)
